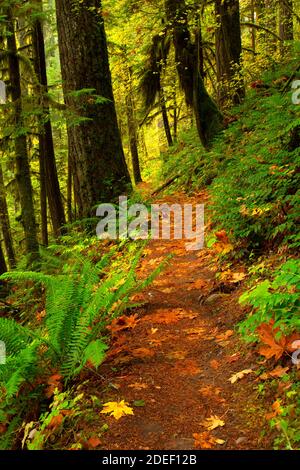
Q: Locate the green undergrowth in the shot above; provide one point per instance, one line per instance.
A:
(252, 175)
(62, 332)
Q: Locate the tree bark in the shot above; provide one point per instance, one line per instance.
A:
(3, 267)
(208, 117)
(164, 113)
(133, 141)
(228, 51)
(23, 179)
(98, 163)
(43, 193)
(5, 224)
(286, 31)
(46, 139)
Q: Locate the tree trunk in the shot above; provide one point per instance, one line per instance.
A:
(164, 113)
(208, 118)
(21, 154)
(3, 267)
(133, 141)
(286, 31)
(228, 52)
(5, 224)
(253, 32)
(43, 193)
(46, 138)
(132, 127)
(69, 191)
(98, 162)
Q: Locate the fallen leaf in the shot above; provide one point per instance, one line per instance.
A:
(198, 331)
(221, 235)
(277, 410)
(209, 390)
(198, 284)
(188, 367)
(117, 409)
(177, 355)
(214, 364)
(142, 352)
(168, 317)
(53, 382)
(224, 336)
(167, 290)
(279, 371)
(213, 422)
(138, 386)
(3, 428)
(139, 403)
(233, 358)
(55, 422)
(122, 323)
(205, 440)
(237, 277)
(93, 442)
(240, 375)
(273, 346)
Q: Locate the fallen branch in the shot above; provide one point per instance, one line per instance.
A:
(165, 185)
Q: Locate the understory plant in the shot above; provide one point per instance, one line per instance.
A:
(79, 304)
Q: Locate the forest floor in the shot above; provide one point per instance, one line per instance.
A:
(173, 358)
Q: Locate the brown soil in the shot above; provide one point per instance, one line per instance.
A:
(176, 361)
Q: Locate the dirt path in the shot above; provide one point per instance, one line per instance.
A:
(177, 361)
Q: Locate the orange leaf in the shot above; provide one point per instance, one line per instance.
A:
(93, 442)
(272, 346)
(277, 410)
(55, 422)
(205, 440)
(142, 352)
(214, 364)
(279, 371)
(3, 428)
(188, 367)
(122, 323)
(222, 236)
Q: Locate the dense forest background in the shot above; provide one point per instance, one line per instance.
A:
(100, 99)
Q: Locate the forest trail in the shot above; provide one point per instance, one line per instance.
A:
(176, 361)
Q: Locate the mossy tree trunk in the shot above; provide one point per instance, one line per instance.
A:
(228, 52)
(3, 267)
(46, 147)
(23, 178)
(132, 127)
(5, 224)
(98, 164)
(208, 117)
(286, 30)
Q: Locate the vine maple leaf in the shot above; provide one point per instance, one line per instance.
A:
(213, 422)
(239, 375)
(122, 323)
(205, 440)
(272, 346)
(117, 409)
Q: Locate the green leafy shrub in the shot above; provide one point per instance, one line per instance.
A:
(80, 303)
(277, 299)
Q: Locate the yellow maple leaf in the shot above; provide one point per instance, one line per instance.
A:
(240, 375)
(213, 422)
(117, 409)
